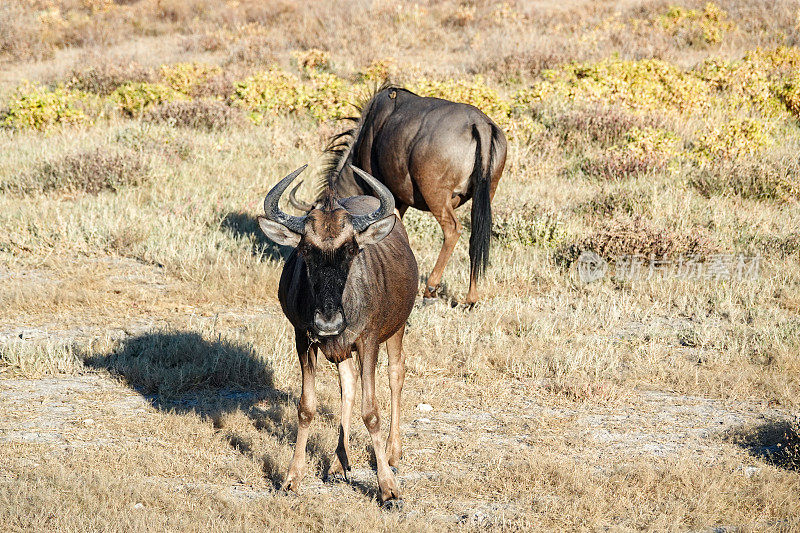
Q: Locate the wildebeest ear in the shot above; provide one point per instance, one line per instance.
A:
(278, 232)
(376, 231)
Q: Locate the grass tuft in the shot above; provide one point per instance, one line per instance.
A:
(773, 177)
(636, 236)
(199, 114)
(90, 171)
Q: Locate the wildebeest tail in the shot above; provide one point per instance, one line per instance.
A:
(481, 216)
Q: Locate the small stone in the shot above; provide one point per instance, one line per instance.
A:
(422, 420)
(138, 505)
(88, 422)
(425, 407)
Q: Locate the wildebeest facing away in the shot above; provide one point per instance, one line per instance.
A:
(349, 284)
(433, 155)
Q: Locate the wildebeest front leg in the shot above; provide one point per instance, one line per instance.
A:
(446, 216)
(368, 352)
(306, 409)
(397, 374)
(340, 464)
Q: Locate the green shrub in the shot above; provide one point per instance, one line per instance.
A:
(379, 70)
(736, 138)
(313, 59)
(133, 98)
(190, 79)
(707, 26)
(324, 96)
(527, 227)
(474, 92)
(647, 84)
(34, 107)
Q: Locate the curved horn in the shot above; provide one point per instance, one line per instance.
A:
(273, 212)
(299, 204)
(361, 222)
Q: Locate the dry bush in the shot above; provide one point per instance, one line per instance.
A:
(767, 18)
(88, 171)
(620, 164)
(18, 34)
(607, 204)
(774, 177)
(600, 124)
(205, 42)
(219, 86)
(523, 64)
(781, 246)
(636, 236)
(104, 77)
(257, 50)
(200, 114)
(144, 138)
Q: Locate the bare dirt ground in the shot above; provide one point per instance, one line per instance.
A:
(600, 428)
(59, 415)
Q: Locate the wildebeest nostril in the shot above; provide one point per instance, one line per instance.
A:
(328, 324)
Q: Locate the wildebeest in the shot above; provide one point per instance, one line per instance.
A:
(433, 155)
(349, 285)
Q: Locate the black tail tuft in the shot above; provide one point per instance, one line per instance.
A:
(481, 217)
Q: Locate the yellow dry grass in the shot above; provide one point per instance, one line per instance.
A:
(147, 374)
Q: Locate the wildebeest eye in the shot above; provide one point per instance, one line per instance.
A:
(352, 249)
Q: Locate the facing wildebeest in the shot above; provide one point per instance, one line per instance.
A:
(433, 155)
(349, 284)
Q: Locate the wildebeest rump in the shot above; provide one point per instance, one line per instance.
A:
(349, 285)
(433, 155)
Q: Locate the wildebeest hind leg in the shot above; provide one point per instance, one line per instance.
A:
(306, 409)
(340, 463)
(397, 374)
(451, 228)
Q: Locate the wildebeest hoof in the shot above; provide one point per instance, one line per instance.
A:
(291, 487)
(429, 301)
(394, 505)
(292, 483)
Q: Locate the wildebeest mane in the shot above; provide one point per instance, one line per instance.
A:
(340, 144)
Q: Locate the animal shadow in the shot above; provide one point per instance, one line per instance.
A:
(183, 372)
(776, 442)
(244, 225)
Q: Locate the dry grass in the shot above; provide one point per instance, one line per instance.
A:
(140, 294)
(200, 114)
(774, 177)
(100, 76)
(614, 165)
(635, 236)
(86, 171)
